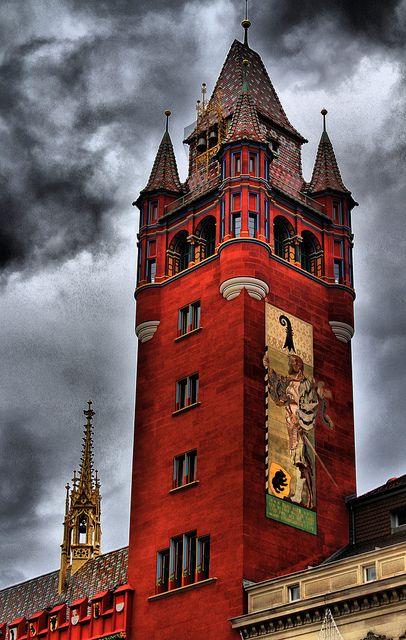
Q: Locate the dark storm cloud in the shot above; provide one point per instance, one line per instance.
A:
(325, 40)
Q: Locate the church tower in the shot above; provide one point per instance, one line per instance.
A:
(81, 526)
(244, 438)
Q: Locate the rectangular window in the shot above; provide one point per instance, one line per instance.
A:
(203, 558)
(187, 391)
(152, 213)
(235, 164)
(151, 270)
(338, 271)
(253, 164)
(294, 592)
(223, 169)
(350, 268)
(185, 562)
(162, 570)
(236, 225)
(236, 202)
(335, 212)
(398, 518)
(253, 202)
(369, 573)
(139, 269)
(266, 169)
(267, 220)
(184, 468)
(252, 225)
(223, 220)
(189, 318)
(151, 250)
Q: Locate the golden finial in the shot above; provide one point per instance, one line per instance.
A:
(324, 112)
(246, 24)
(168, 113)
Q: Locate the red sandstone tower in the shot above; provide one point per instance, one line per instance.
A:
(240, 470)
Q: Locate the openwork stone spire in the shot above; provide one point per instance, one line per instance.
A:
(81, 527)
(326, 174)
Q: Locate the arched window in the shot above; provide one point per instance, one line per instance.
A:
(82, 529)
(179, 254)
(283, 232)
(311, 254)
(206, 231)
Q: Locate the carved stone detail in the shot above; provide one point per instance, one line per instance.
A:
(146, 330)
(342, 331)
(232, 287)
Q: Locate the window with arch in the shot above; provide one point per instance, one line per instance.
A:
(283, 234)
(207, 234)
(82, 529)
(311, 254)
(179, 254)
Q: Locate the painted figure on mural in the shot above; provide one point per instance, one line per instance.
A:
(302, 399)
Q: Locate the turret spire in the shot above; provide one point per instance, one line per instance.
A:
(246, 24)
(164, 174)
(326, 174)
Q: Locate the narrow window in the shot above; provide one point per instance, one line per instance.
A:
(236, 224)
(189, 558)
(187, 391)
(252, 225)
(398, 518)
(369, 573)
(335, 212)
(82, 530)
(177, 560)
(151, 251)
(223, 169)
(162, 571)
(203, 558)
(267, 220)
(189, 318)
(236, 202)
(253, 164)
(350, 268)
(338, 262)
(294, 592)
(266, 169)
(184, 468)
(236, 164)
(151, 270)
(139, 269)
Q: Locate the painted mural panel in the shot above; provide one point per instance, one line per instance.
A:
(294, 400)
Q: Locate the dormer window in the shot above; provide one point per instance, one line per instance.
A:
(398, 519)
(274, 147)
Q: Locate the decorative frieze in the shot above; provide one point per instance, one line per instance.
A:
(232, 287)
(146, 330)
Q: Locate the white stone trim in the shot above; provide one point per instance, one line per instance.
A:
(232, 287)
(342, 330)
(146, 330)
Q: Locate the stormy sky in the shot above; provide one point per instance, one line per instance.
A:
(84, 84)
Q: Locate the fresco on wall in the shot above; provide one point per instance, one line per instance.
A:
(294, 400)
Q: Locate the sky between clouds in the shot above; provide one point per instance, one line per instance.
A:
(83, 87)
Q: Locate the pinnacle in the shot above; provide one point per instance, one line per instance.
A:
(326, 174)
(164, 174)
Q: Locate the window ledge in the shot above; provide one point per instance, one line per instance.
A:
(189, 406)
(188, 333)
(188, 587)
(184, 486)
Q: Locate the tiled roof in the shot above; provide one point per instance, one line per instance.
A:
(164, 174)
(369, 545)
(326, 174)
(107, 571)
(392, 483)
(245, 123)
(227, 90)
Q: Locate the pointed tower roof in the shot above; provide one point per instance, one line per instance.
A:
(262, 92)
(164, 174)
(326, 174)
(245, 123)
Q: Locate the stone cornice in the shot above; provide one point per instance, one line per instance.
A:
(353, 602)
